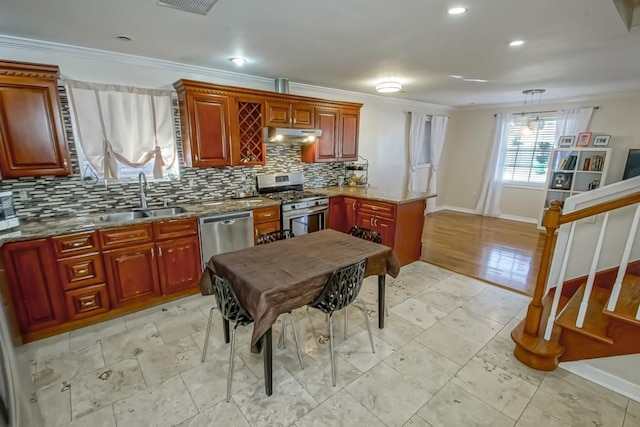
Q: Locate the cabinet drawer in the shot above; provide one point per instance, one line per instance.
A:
(125, 236)
(271, 213)
(377, 208)
(83, 270)
(175, 228)
(87, 301)
(75, 244)
(264, 228)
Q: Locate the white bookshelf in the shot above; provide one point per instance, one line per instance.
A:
(574, 170)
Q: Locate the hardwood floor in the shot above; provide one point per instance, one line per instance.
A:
(502, 252)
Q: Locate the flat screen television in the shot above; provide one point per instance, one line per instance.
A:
(632, 167)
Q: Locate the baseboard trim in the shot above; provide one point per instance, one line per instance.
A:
(473, 212)
(603, 378)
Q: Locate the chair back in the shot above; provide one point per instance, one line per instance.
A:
(274, 236)
(228, 303)
(366, 234)
(342, 288)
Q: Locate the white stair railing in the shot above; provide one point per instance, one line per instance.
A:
(624, 262)
(592, 273)
(559, 285)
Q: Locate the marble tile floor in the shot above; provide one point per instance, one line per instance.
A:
(444, 359)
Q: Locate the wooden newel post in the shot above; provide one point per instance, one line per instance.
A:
(534, 312)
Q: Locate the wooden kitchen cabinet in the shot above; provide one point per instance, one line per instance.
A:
(33, 283)
(132, 274)
(206, 125)
(265, 220)
(384, 226)
(248, 147)
(178, 249)
(32, 139)
(342, 213)
(289, 115)
(339, 139)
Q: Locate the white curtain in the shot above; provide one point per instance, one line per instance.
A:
(123, 124)
(438, 135)
(419, 169)
(573, 121)
(491, 192)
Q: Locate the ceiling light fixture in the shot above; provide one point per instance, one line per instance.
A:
(476, 80)
(455, 76)
(529, 124)
(388, 87)
(516, 43)
(457, 10)
(238, 61)
(124, 38)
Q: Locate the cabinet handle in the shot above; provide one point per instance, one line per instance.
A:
(374, 208)
(159, 251)
(267, 215)
(76, 244)
(83, 271)
(256, 232)
(87, 303)
(65, 163)
(197, 159)
(153, 253)
(294, 120)
(353, 206)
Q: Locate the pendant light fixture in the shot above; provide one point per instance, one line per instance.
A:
(536, 124)
(524, 120)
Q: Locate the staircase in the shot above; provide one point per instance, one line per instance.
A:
(591, 316)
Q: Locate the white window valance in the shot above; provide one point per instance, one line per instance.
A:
(123, 124)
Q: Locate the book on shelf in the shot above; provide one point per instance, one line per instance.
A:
(586, 164)
(570, 163)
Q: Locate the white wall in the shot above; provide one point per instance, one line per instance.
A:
(383, 120)
(468, 144)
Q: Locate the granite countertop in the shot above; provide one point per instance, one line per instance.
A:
(57, 226)
(375, 193)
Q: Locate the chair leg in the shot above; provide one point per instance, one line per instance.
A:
(295, 337)
(231, 356)
(333, 362)
(366, 318)
(346, 320)
(386, 309)
(206, 338)
(282, 341)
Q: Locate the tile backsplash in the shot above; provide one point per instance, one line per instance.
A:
(46, 197)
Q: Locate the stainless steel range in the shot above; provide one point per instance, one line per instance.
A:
(302, 211)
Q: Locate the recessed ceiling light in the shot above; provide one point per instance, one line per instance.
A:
(455, 76)
(516, 43)
(476, 80)
(457, 10)
(238, 61)
(124, 38)
(388, 87)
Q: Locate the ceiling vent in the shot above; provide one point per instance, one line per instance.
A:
(201, 7)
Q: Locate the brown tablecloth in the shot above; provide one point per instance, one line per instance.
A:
(281, 276)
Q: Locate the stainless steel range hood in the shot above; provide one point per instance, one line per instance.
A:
(291, 136)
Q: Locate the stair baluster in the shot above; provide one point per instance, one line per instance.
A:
(624, 262)
(592, 273)
(556, 296)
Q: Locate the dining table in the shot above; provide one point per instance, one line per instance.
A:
(278, 277)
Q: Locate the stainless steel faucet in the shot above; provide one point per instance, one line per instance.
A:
(143, 197)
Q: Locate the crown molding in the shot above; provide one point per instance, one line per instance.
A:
(13, 42)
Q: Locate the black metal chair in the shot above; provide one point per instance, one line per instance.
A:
(233, 312)
(342, 289)
(274, 236)
(366, 234)
(372, 236)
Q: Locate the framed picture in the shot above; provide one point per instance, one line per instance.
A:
(601, 140)
(583, 139)
(561, 181)
(566, 141)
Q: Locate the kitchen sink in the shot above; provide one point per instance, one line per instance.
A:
(166, 211)
(123, 216)
(142, 213)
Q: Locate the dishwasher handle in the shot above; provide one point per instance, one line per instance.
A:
(225, 218)
(228, 222)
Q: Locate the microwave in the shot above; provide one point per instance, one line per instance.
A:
(8, 217)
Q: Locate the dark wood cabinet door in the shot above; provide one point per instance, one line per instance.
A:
(349, 128)
(132, 274)
(264, 228)
(33, 281)
(179, 264)
(278, 114)
(32, 141)
(350, 213)
(336, 213)
(325, 149)
(385, 227)
(302, 116)
(210, 130)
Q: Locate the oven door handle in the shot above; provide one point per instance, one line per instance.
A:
(299, 213)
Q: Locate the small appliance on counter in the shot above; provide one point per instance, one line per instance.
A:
(8, 217)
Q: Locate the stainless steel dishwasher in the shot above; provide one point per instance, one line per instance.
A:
(225, 233)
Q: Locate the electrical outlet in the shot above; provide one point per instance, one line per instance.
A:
(192, 183)
(24, 195)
